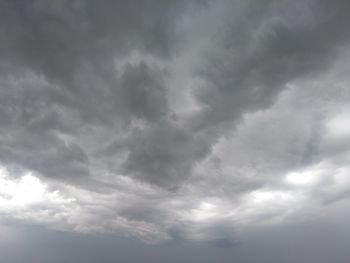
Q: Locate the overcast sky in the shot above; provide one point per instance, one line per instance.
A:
(174, 131)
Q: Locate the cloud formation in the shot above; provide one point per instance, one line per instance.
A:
(174, 122)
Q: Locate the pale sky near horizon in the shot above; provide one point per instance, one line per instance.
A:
(174, 131)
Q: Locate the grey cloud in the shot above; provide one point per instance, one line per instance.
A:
(76, 49)
(47, 155)
(59, 77)
(143, 93)
(263, 49)
(73, 45)
(266, 47)
(57, 38)
(87, 92)
(163, 154)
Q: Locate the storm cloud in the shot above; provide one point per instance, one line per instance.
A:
(174, 126)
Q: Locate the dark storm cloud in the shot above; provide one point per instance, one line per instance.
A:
(176, 121)
(143, 93)
(162, 154)
(60, 77)
(73, 47)
(58, 38)
(267, 45)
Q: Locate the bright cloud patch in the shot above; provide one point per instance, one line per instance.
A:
(302, 178)
(266, 197)
(339, 126)
(24, 191)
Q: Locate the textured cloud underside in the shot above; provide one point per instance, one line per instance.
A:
(182, 120)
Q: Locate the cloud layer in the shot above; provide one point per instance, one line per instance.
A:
(173, 122)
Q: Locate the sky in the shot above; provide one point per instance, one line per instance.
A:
(174, 131)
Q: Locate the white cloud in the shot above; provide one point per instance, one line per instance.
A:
(25, 191)
(302, 178)
(339, 126)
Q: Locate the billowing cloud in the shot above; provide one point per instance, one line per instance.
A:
(191, 122)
